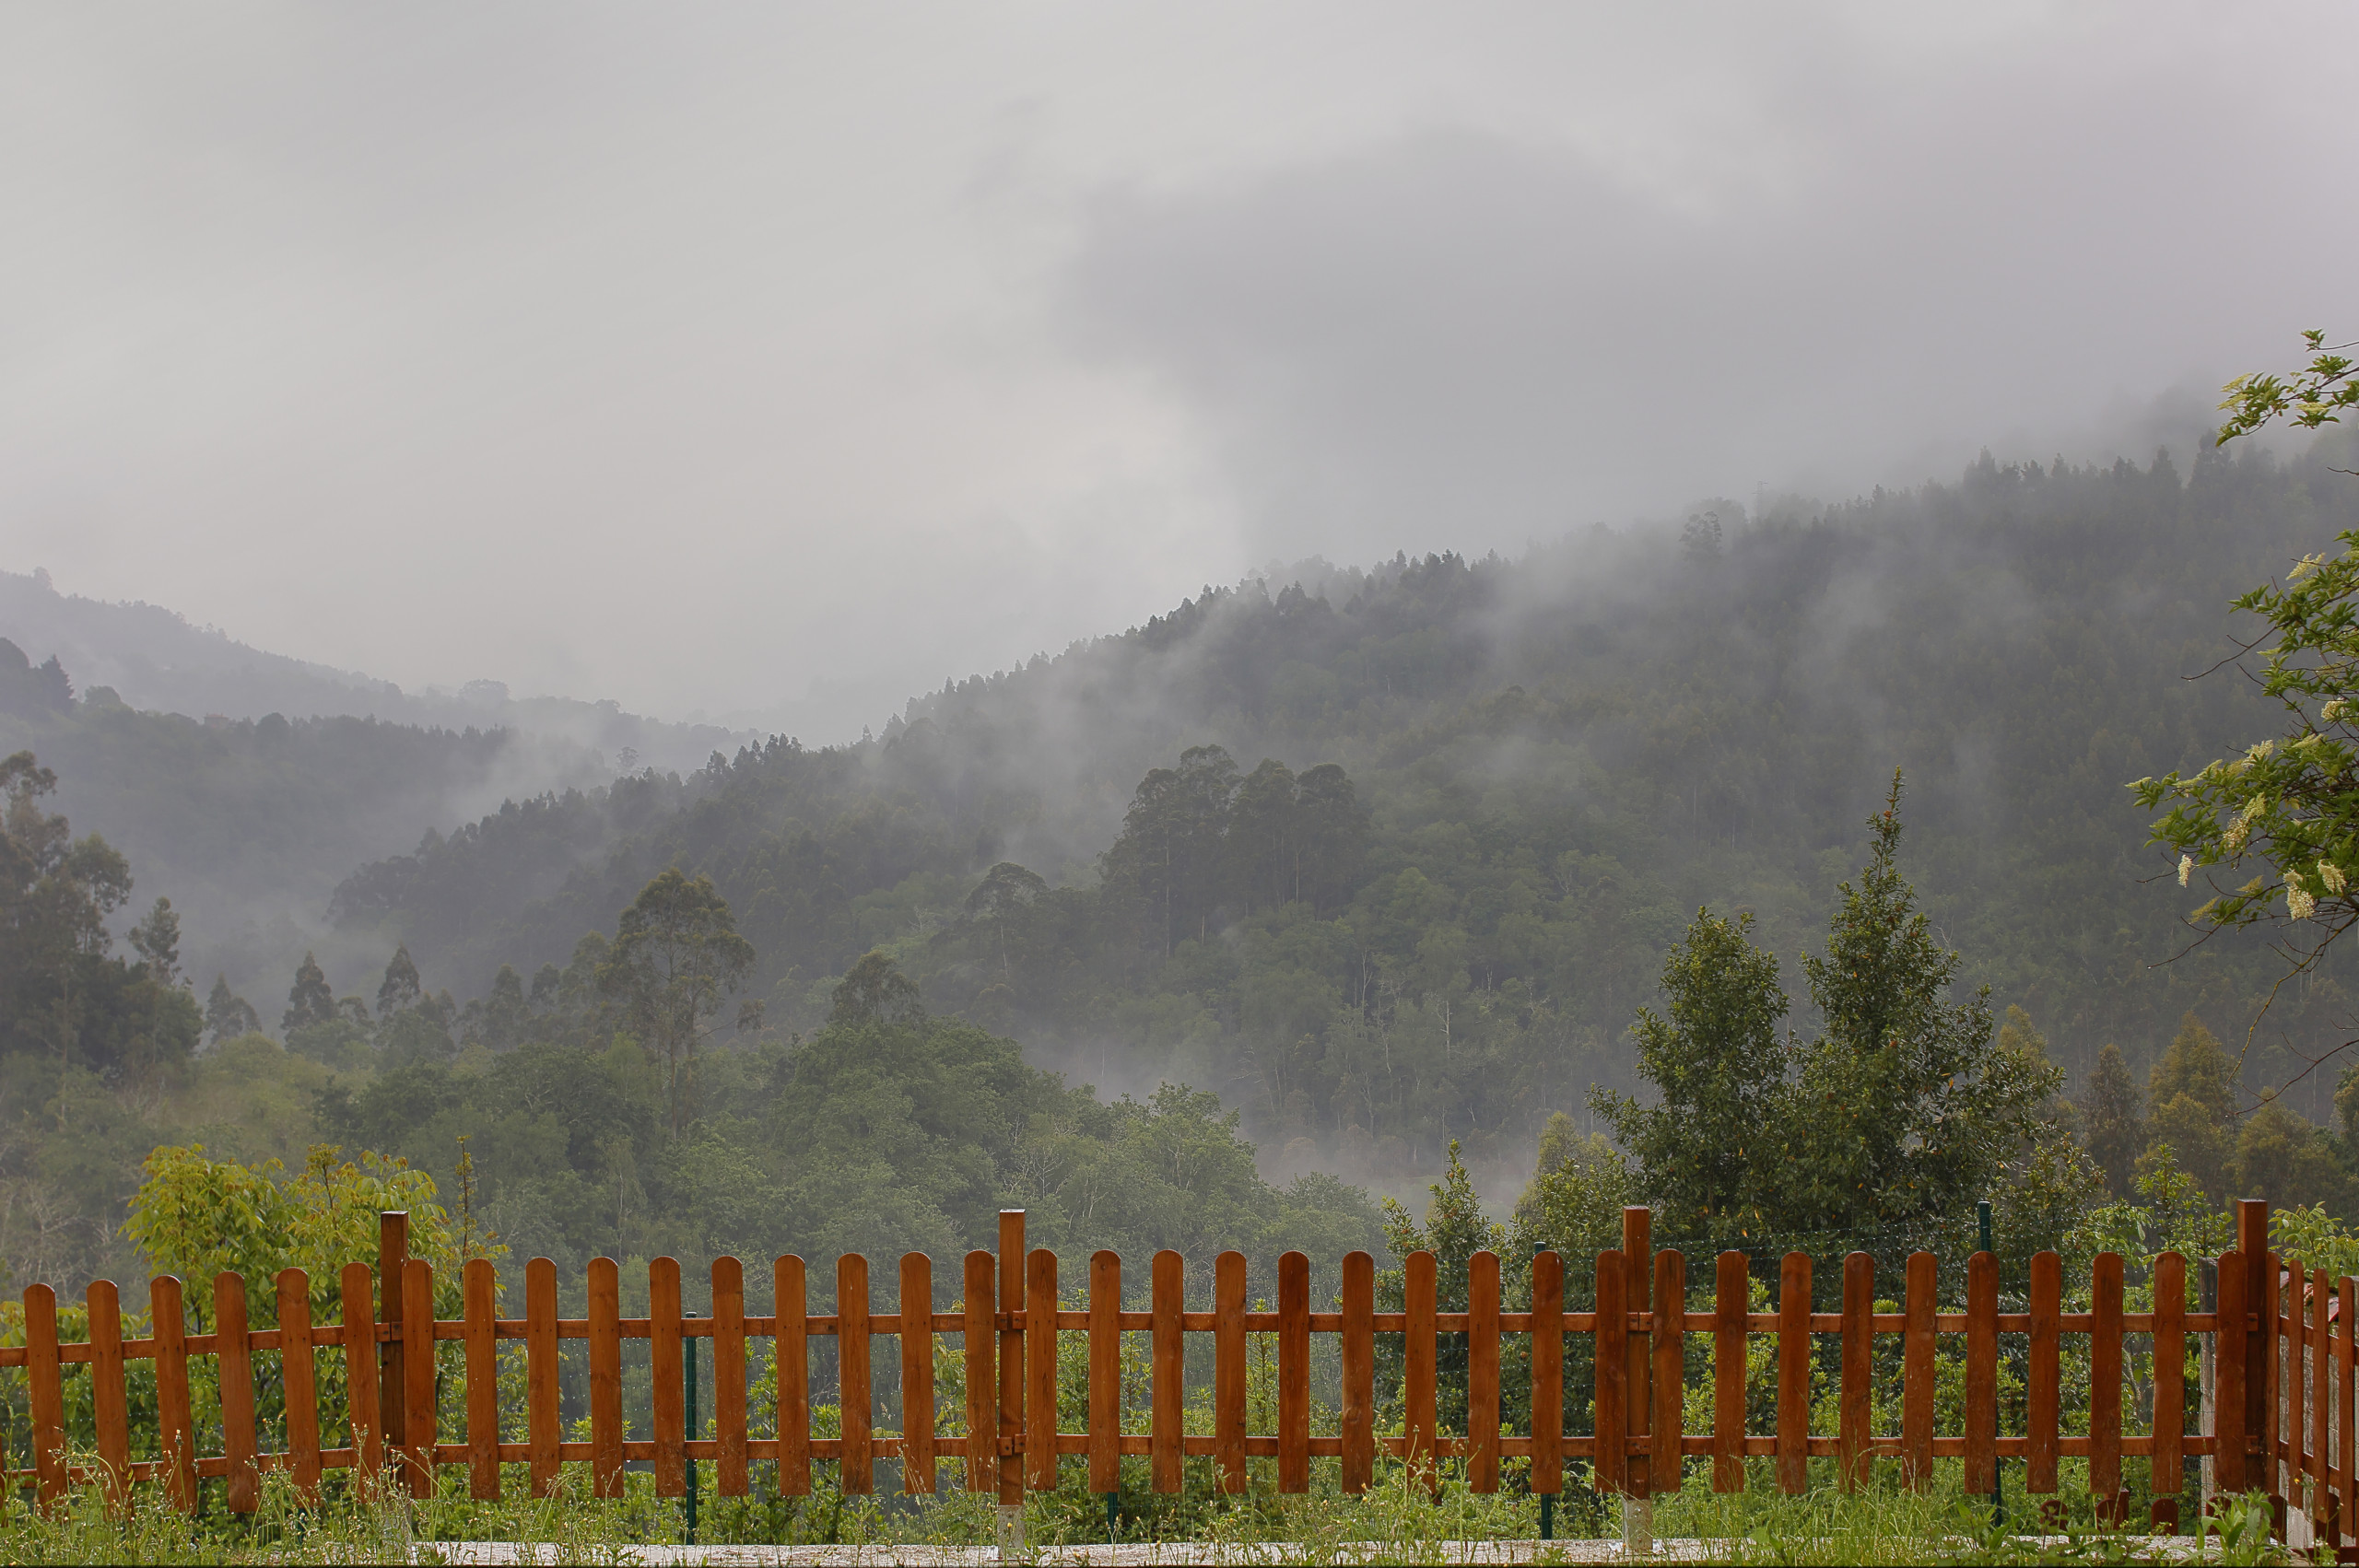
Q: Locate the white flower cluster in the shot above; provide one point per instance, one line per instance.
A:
(2335, 708)
(2304, 567)
(2331, 876)
(2233, 840)
(2186, 869)
(2299, 901)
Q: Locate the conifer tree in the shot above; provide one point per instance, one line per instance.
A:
(308, 1001)
(2116, 1129)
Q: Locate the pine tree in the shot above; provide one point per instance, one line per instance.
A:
(401, 987)
(1719, 1074)
(308, 1001)
(228, 1015)
(2117, 1133)
(1902, 1108)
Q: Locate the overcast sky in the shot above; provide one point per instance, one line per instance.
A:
(786, 359)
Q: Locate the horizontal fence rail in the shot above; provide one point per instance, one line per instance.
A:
(2280, 1411)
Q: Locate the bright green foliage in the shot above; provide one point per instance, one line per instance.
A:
(198, 1218)
(1720, 1076)
(2312, 397)
(1454, 1231)
(2192, 1091)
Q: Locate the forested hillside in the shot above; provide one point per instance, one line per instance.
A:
(1383, 859)
(1389, 857)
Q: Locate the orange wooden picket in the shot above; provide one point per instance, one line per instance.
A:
(2283, 1350)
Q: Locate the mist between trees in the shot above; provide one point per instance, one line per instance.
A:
(1191, 936)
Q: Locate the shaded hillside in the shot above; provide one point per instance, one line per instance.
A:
(1559, 757)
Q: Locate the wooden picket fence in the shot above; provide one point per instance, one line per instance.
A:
(2283, 1345)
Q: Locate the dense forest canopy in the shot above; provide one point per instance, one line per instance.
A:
(1302, 884)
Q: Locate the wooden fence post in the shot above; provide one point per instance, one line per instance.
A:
(1547, 1477)
(175, 1432)
(393, 1257)
(666, 1395)
(2166, 1470)
(46, 1375)
(1611, 1340)
(297, 1378)
(1669, 1376)
(1794, 1373)
(2104, 1385)
(1294, 1372)
(1229, 1369)
(2260, 1423)
(1417, 1358)
(419, 1416)
(1011, 1368)
(918, 1474)
(730, 1469)
(233, 1356)
(1105, 1372)
(1482, 1371)
(1917, 1372)
(982, 1374)
(791, 1301)
(855, 1399)
(364, 1417)
(109, 1391)
(1854, 1419)
(1638, 1290)
(1980, 1475)
(2231, 1365)
(1040, 1370)
(542, 1428)
(605, 1305)
(2044, 1379)
(479, 1301)
(1732, 1302)
(1357, 1353)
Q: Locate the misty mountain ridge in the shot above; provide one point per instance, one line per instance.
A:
(154, 659)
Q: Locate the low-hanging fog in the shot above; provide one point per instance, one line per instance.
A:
(771, 363)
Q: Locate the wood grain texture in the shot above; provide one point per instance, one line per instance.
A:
(1294, 1371)
(1357, 1355)
(480, 1301)
(2105, 1375)
(791, 1307)
(393, 1379)
(2167, 1466)
(111, 1394)
(1040, 1371)
(542, 1431)
(1417, 1358)
(1638, 1275)
(1980, 1473)
(1917, 1370)
(420, 1416)
(2321, 1343)
(2044, 1376)
(919, 1476)
(980, 1338)
(365, 1425)
(1854, 1415)
(605, 1378)
(1794, 1373)
(297, 1379)
(233, 1356)
(664, 1372)
(2230, 1364)
(175, 1432)
(1229, 1370)
(1668, 1377)
(1732, 1295)
(1481, 1370)
(1547, 1473)
(1011, 1358)
(1609, 1339)
(732, 1467)
(855, 1397)
(2345, 1387)
(45, 1375)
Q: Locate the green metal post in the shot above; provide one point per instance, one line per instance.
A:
(694, 1427)
(1998, 1467)
(1113, 1498)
